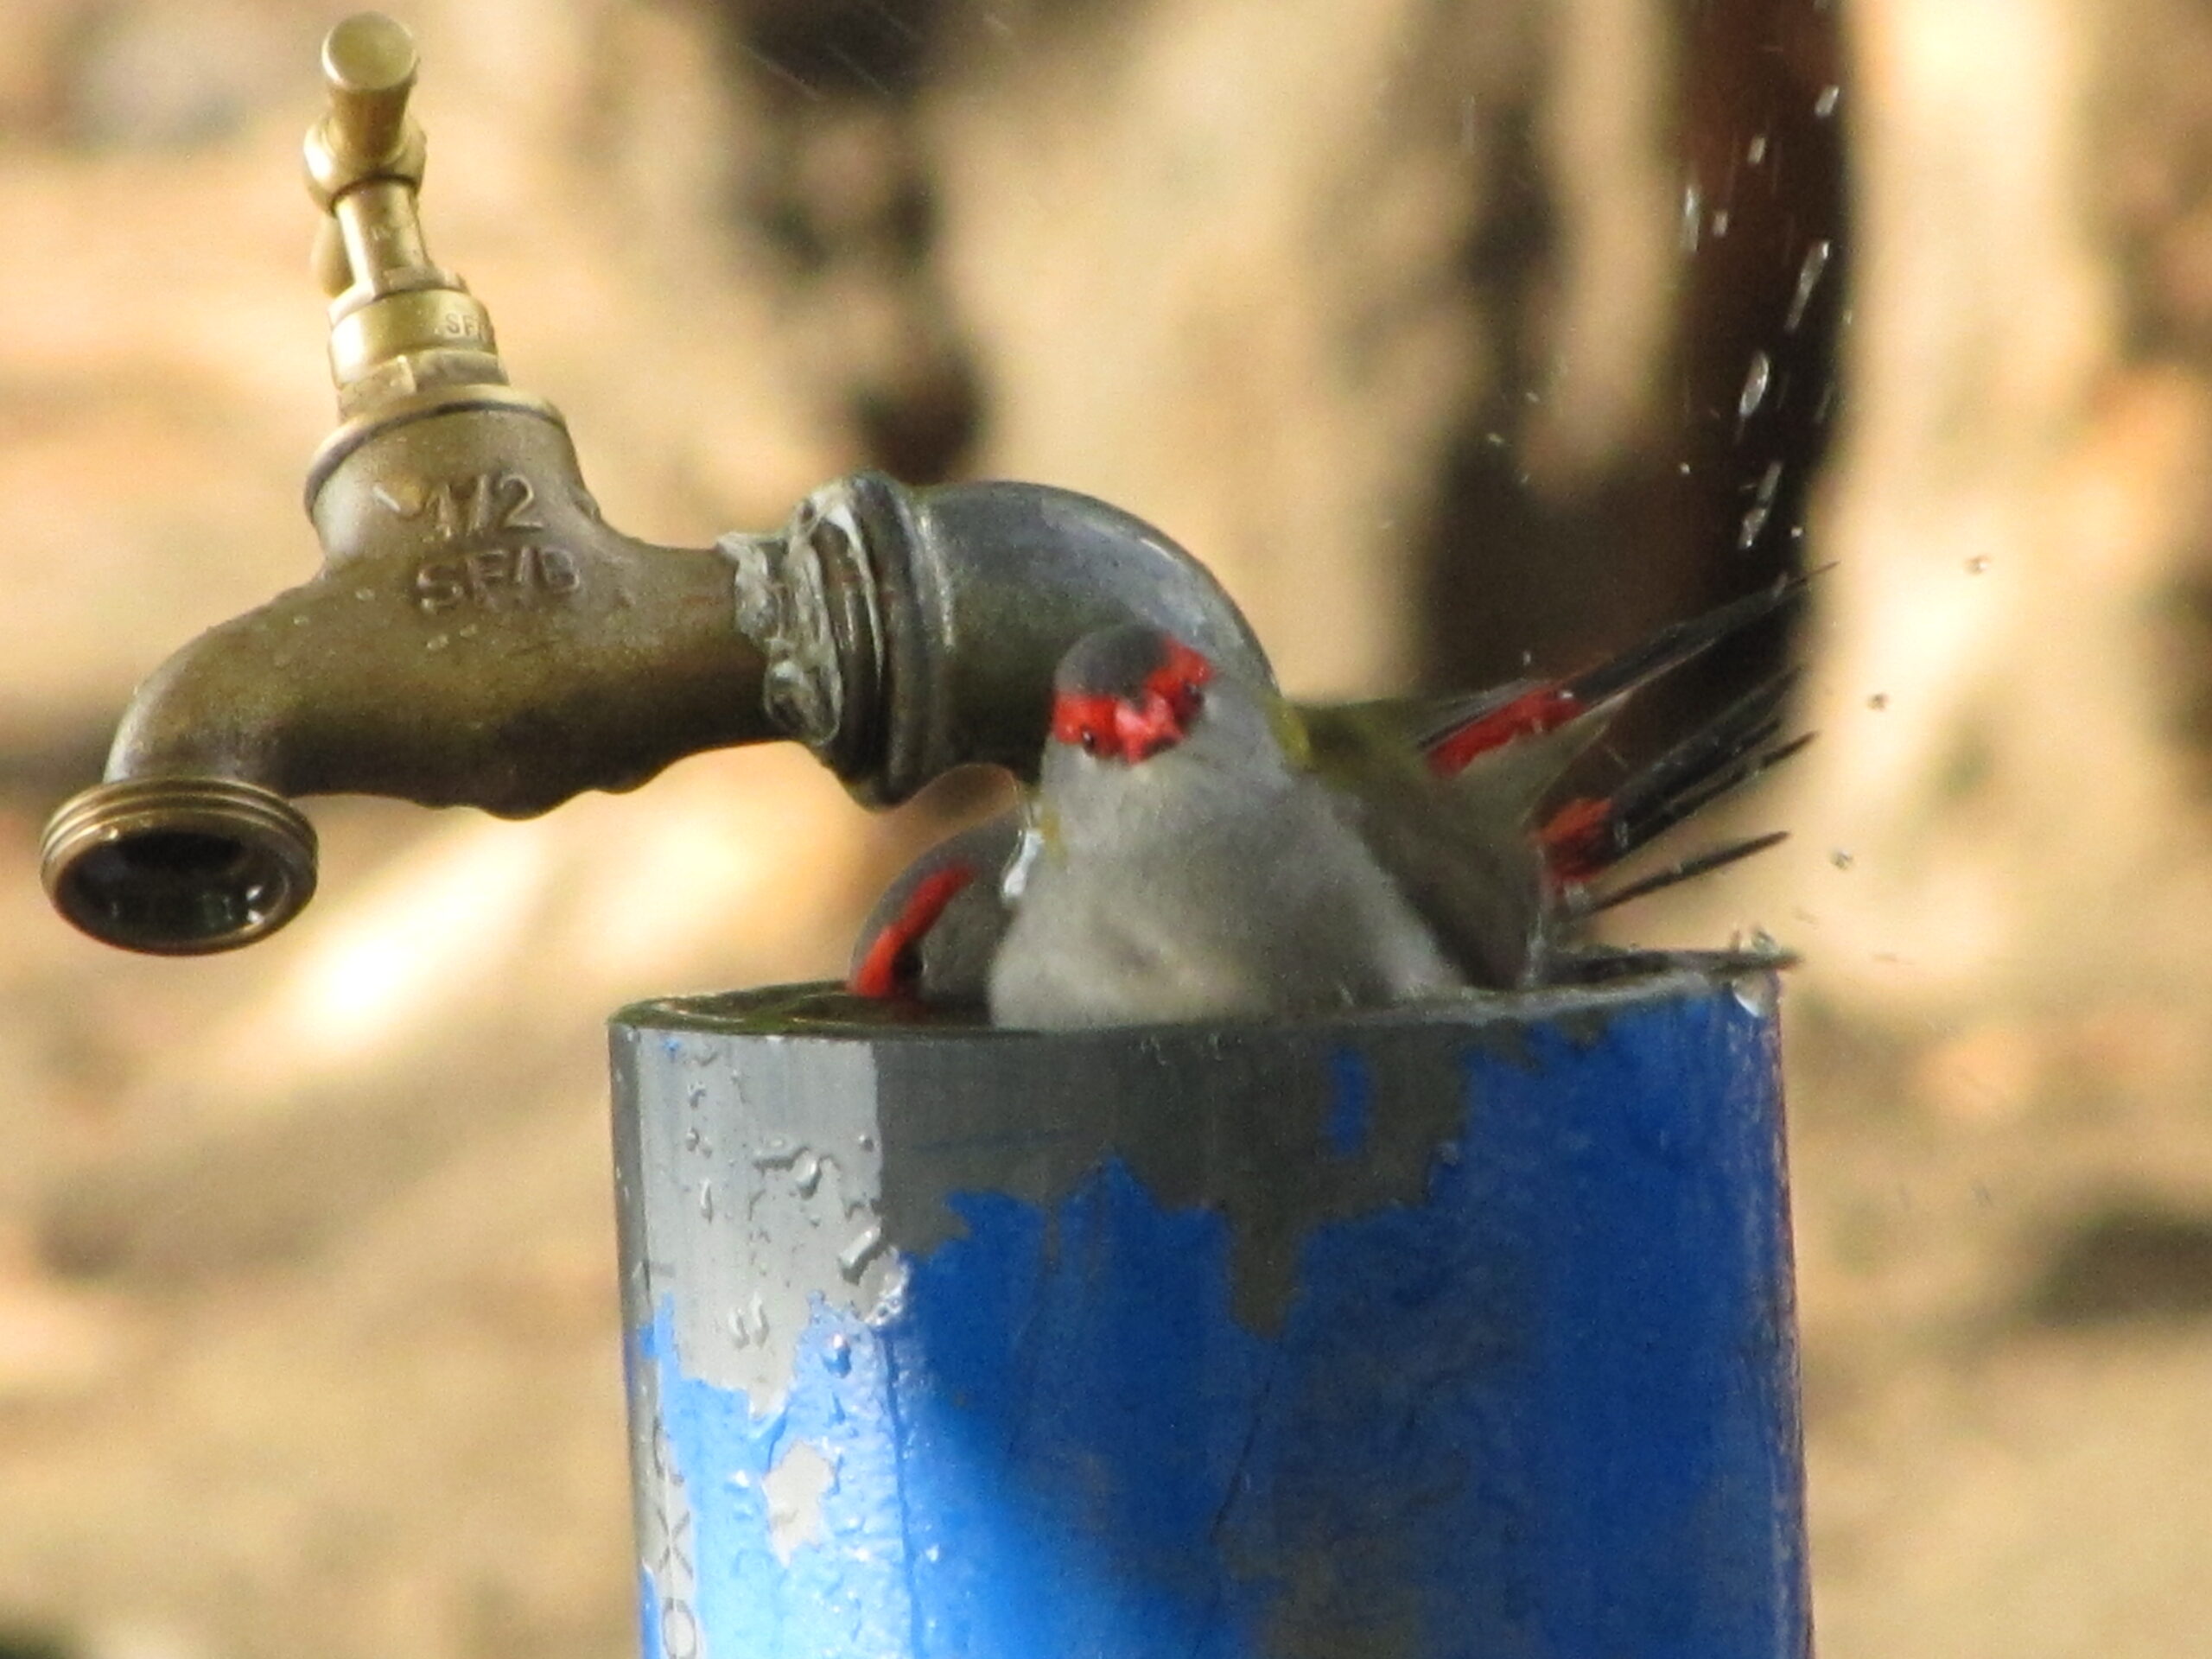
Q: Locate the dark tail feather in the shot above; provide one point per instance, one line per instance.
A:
(1473, 726)
(1679, 642)
(1587, 836)
(1688, 869)
(1723, 755)
(1599, 964)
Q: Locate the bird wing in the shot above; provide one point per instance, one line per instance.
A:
(1462, 859)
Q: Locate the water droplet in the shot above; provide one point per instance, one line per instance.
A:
(837, 1354)
(1824, 105)
(1770, 486)
(740, 1480)
(1878, 701)
(1764, 943)
(865, 1141)
(300, 620)
(694, 1141)
(1842, 860)
(806, 1174)
(695, 1096)
(776, 1152)
(1757, 379)
(707, 1200)
(436, 642)
(1756, 152)
(1693, 216)
(751, 1325)
(860, 1250)
(365, 593)
(891, 1301)
(934, 1552)
(1721, 224)
(1755, 993)
(1809, 273)
(1449, 1155)
(1978, 564)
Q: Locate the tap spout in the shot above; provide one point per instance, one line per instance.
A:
(476, 636)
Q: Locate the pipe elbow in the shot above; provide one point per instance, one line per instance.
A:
(910, 630)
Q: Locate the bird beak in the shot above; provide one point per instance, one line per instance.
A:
(1146, 726)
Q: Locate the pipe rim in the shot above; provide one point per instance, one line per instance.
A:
(178, 866)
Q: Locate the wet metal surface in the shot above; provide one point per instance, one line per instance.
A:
(1462, 1330)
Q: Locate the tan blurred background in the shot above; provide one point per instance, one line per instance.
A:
(1445, 330)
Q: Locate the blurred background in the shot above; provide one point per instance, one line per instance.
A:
(1446, 331)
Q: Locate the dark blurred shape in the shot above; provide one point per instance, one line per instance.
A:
(841, 195)
(834, 48)
(35, 1644)
(1711, 502)
(2138, 1262)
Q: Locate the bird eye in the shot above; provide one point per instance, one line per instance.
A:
(1191, 689)
(1088, 738)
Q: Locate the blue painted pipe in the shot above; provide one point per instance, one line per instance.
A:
(1463, 1333)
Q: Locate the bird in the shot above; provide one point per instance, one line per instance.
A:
(1199, 847)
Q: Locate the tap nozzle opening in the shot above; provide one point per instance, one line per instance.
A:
(179, 866)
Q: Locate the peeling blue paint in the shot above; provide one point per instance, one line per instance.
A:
(1549, 1412)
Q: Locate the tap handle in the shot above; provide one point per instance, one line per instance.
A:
(369, 63)
(399, 324)
(368, 66)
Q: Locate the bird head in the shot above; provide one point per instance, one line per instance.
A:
(1126, 694)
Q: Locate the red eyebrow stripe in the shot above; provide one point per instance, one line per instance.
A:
(1182, 667)
(1530, 714)
(1072, 711)
(878, 975)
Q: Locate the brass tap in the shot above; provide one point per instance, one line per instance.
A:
(478, 635)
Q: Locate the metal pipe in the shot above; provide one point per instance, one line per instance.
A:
(1464, 1329)
(478, 635)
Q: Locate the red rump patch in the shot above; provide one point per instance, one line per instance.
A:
(1530, 714)
(1136, 729)
(888, 969)
(1571, 840)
